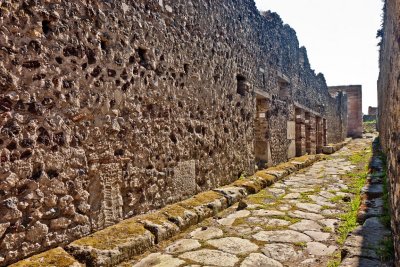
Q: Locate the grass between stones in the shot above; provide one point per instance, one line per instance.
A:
(335, 261)
(356, 181)
(386, 250)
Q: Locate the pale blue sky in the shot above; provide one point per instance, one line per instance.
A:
(340, 37)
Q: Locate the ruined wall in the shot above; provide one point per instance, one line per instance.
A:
(337, 118)
(354, 108)
(388, 109)
(113, 108)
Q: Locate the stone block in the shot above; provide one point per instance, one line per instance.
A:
(206, 204)
(291, 130)
(328, 150)
(159, 225)
(54, 257)
(112, 245)
(232, 194)
(180, 216)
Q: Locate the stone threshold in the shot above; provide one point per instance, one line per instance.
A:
(135, 236)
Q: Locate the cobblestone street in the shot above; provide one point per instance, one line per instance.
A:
(294, 222)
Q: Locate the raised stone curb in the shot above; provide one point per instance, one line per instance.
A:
(54, 257)
(112, 245)
(134, 236)
(332, 148)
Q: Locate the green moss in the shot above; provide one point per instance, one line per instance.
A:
(386, 249)
(349, 219)
(113, 236)
(268, 178)
(300, 244)
(361, 157)
(336, 199)
(54, 257)
(287, 166)
(327, 229)
(174, 211)
(304, 198)
(251, 185)
(260, 198)
(335, 260)
(200, 199)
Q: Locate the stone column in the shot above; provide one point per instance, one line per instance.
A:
(313, 139)
(300, 133)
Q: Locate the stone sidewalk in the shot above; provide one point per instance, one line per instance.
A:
(292, 223)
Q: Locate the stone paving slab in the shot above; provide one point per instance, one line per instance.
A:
(290, 223)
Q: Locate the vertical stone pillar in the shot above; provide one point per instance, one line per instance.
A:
(313, 139)
(300, 133)
(308, 137)
(325, 132)
(261, 142)
(291, 136)
(319, 131)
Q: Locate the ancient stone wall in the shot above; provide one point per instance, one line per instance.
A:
(388, 109)
(354, 108)
(114, 108)
(337, 109)
(372, 111)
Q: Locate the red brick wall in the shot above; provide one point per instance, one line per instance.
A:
(354, 108)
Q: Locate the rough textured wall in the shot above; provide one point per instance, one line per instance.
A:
(354, 108)
(278, 116)
(337, 119)
(388, 109)
(113, 108)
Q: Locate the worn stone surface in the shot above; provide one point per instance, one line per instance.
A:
(160, 260)
(111, 109)
(305, 225)
(281, 252)
(207, 233)
(282, 236)
(259, 260)
(317, 235)
(305, 215)
(211, 257)
(183, 246)
(267, 221)
(319, 249)
(309, 207)
(233, 245)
